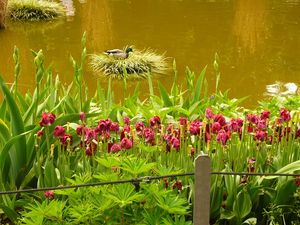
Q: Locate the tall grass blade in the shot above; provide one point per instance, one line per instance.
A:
(19, 152)
(4, 131)
(199, 84)
(164, 94)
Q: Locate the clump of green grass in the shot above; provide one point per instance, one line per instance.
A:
(34, 10)
(137, 66)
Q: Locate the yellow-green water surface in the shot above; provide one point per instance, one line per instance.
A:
(258, 41)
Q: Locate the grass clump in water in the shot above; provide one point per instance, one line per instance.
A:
(34, 10)
(137, 65)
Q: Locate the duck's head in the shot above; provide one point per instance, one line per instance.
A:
(128, 50)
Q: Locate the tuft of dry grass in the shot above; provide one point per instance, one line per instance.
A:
(34, 10)
(137, 66)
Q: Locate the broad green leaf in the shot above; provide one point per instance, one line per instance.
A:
(136, 167)
(216, 198)
(285, 192)
(19, 153)
(198, 87)
(123, 195)
(164, 95)
(50, 178)
(9, 212)
(242, 205)
(251, 221)
(5, 151)
(290, 168)
(227, 215)
(4, 131)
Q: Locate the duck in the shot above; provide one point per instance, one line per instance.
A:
(119, 54)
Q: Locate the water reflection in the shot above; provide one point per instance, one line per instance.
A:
(69, 7)
(250, 25)
(99, 26)
(280, 88)
(258, 41)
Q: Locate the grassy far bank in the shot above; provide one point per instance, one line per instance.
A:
(32, 10)
(60, 135)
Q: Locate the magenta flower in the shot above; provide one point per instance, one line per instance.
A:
(166, 183)
(115, 148)
(244, 180)
(178, 185)
(192, 151)
(252, 118)
(103, 125)
(176, 133)
(47, 119)
(40, 133)
(195, 127)
(220, 119)
(125, 132)
(215, 128)
(168, 138)
(222, 137)
(114, 127)
(170, 128)
(79, 130)
(285, 115)
(250, 128)
(236, 125)
(298, 133)
(251, 162)
(207, 136)
(155, 121)
(126, 120)
(67, 138)
(82, 116)
(139, 127)
(262, 124)
(90, 134)
(149, 135)
(297, 181)
(59, 131)
(209, 113)
(105, 136)
(126, 143)
(91, 148)
(88, 151)
(175, 143)
(183, 121)
(265, 115)
(49, 195)
(261, 135)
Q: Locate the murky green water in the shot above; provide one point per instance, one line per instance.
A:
(258, 41)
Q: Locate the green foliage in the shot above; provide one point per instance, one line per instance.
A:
(137, 167)
(47, 212)
(138, 65)
(34, 10)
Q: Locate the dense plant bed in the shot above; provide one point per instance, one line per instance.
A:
(60, 136)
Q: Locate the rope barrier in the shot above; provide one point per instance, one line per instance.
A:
(136, 181)
(257, 174)
(133, 181)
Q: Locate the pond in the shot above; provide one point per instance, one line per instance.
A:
(258, 41)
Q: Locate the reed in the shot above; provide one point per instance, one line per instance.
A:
(34, 10)
(138, 65)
